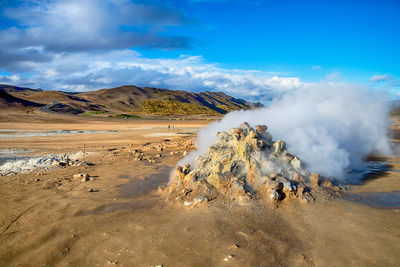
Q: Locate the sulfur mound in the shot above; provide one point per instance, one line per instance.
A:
(242, 165)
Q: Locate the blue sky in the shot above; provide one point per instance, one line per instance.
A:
(254, 49)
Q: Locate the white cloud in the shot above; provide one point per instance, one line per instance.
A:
(88, 71)
(316, 67)
(75, 25)
(380, 78)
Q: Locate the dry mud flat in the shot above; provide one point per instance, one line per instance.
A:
(119, 218)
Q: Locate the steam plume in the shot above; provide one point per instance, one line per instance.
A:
(330, 127)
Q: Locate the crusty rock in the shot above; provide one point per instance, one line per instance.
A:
(243, 165)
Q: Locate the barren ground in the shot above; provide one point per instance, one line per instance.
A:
(125, 221)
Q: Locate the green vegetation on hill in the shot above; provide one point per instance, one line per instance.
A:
(167, 107)
(125, 116)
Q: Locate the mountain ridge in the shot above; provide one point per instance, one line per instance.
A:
(133, 100)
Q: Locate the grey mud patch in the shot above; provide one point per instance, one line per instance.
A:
(21, 133)
(139, 187)
(136, 189)
(386, 200)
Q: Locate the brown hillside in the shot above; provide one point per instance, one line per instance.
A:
(20, 91)
(8, 101)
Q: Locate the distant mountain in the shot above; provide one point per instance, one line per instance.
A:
(138, 100)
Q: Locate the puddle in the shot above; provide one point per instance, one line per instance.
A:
(21, 133)
(147, 128)
(187, 133)
(137, 187)
(160, 134)
(367, 171)
(9, 154)
(376, 199)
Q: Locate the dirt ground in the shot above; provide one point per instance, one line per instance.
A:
(119, 218)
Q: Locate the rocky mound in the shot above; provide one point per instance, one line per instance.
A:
(242, 165)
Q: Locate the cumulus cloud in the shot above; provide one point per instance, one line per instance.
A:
(73, 25)
(380, 78)
(87, 71)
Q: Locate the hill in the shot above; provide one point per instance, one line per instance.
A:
(8, 101)
(135, 100)
(21, 91)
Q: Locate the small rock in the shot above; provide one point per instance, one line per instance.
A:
(237, 131)
(171, 153)
(185, 153)
(314, 178)
(112, 262)
(82, 176)
(298, 178)
(275, 185)
(275, 195)
(199, 199)
(253, 134)
(288, 157)
(261, 128)
(187, 203)
(161, 188)
(327, 184)
(91, 190)
(37, 180)
(244, 199)
(229, 258)
(186, 169)
(245, 125)
(296, 162)
(279, 146)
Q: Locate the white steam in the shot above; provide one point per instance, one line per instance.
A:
(330, 127)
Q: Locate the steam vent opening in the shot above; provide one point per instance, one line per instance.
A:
(245, 164)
